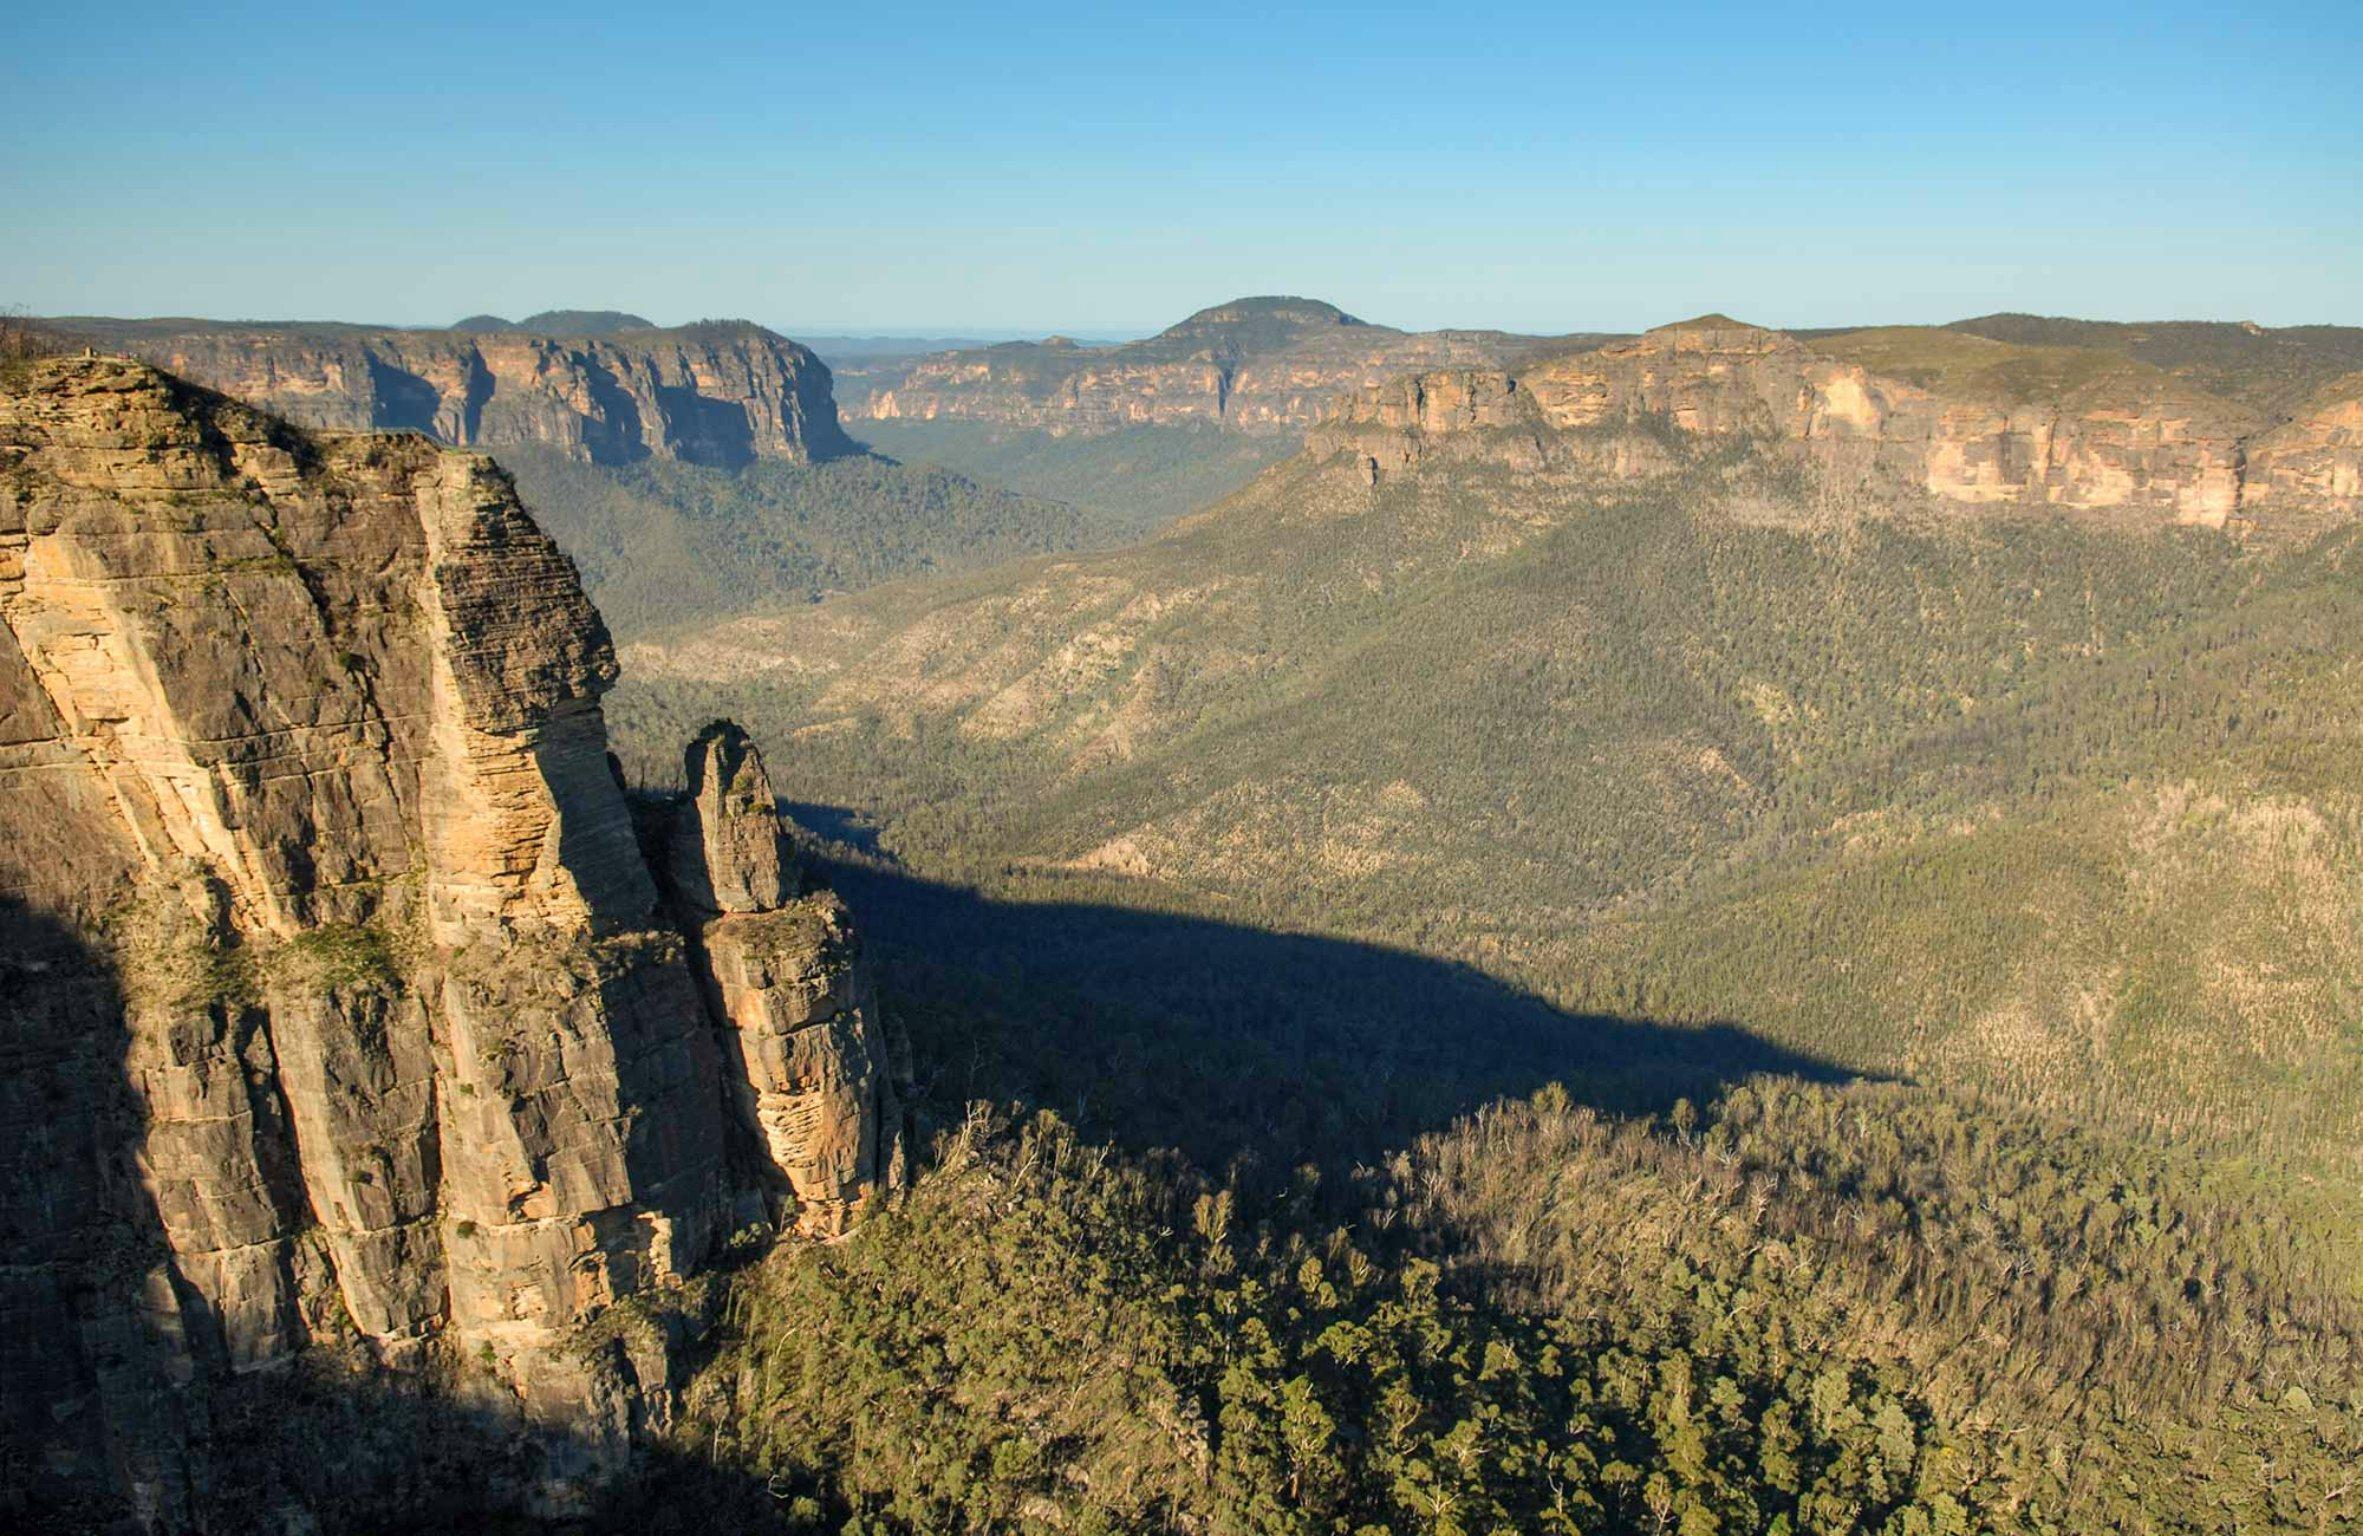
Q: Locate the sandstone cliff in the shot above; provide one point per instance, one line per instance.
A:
(336, 980)
(1270, 365)
(722, 393)
(1879, 416)
(2316, 457)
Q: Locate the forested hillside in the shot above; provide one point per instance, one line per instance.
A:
(1127, 482)
(1583, 1007)
(1805, 1310)
(2015, 804)
(663, 546)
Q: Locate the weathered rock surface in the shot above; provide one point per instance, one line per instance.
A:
(1879, 415)
(810, 1062)
(1270, 365)
(2316, 457)
(722, 393)
(335, 979)
(729, 852)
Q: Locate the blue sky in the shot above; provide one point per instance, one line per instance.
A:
(1105, 170)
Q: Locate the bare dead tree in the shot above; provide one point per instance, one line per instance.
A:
(22, 338)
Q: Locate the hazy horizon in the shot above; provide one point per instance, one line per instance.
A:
(1116, 335)
(1536, 170)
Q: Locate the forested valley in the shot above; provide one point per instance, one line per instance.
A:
(1668, 1023)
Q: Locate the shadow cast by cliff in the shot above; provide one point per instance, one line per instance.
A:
(1252, 1052)
(1232, 1043)
(93, 1424)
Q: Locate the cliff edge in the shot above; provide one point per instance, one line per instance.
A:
(720, 393)
(348, 1008)
(1881, 418)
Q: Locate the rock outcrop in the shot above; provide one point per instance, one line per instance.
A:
(722, 393)
(809, 1062)
(2315, 459)
(341, 1007)
(1878, 416)
(1269, 365)
(1392, 427)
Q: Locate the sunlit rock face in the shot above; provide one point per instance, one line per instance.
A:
(808, 1059)
(1982, 425)
(2316, 458)
(335, 976)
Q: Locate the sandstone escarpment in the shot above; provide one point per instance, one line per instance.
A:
(334, 964)
(1254, 365)
(1878, 416)
(720, 393)
(1394, 426)
(2316, 457)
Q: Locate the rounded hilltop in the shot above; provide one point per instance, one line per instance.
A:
(1259, 323)
(560, 322)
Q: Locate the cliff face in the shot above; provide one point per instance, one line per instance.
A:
(720, 394)
(1255, 365)
(1955, 418)
(2316, 457)
(335, 967)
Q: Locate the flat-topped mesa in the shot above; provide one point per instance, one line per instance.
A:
(304, 791)
(1267, 365)
(719, 393)
(814, 1068)
(1886, 414)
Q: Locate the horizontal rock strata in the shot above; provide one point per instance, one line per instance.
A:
(335, 973)
(721, 394)
(1994, 426)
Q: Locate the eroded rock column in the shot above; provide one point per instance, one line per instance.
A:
(807, 1056)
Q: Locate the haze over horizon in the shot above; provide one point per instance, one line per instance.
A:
(1017, 172)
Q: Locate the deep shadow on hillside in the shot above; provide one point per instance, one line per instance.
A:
(1231, 1043)
(1249, 1050)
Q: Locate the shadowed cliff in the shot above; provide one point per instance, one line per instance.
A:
(1255, 1050)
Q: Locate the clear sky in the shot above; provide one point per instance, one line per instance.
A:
(1011, 167)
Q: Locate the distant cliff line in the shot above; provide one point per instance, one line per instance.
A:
(1887, 417)
(604, 390)
(2210, 423)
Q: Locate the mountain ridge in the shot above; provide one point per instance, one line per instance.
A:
(1262, 365)
(716, 393)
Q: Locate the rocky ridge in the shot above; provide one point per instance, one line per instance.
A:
(359, 1014)
(721, 393)
(1263, 365)
(1877, 415)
